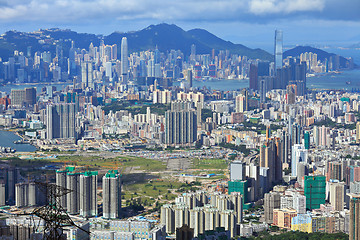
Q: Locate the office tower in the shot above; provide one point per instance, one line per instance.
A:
(60, 121)
(337, 195)
(298, 154)
(17, 97)
(180, 127)
(262, 90)
(253, 77)
(87, 75)
(30, 96)
(2, 194)
(189, 78)
(263, 69)
(111, 194)
(271, 202)
(12, 176)
(124, 59)
(314, 191)
(354, 228)
(278, 53)
(88, 194)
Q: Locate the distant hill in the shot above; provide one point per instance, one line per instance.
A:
(165, 36)
(321, 54)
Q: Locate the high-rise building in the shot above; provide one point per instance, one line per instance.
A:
(124, 59)
(241, 103)
(180, 127)
(358, 132)
(298, 155)
(189, 77)
(271, 202)
(354, 228)
(21, 97)
(12, 176)
(60, 121)
(337, 195)
(314, 191)
(111, 194)
(87, 75)
(88, 194)
(253, 77)
(278, 53)
(73, 198)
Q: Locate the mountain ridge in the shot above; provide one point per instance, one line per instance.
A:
(165, 36)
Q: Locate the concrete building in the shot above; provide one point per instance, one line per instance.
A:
(180, 127)
(111, 194)
(271, 202)
(354, 228)
(88, 194)
(337, 195)
(60, 121)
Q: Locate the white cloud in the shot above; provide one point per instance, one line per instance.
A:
(103, 11)
(260, 7)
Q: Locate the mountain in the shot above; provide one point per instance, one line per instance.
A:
(321, 54)
(165, 36)
(215, 42)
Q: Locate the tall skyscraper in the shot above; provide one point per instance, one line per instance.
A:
(354, 228)
(88, 194)
(180, 127)
(87, 75)
(124, 59)
(278, 49)
(60, 121)
(111, 184)
(253, 77)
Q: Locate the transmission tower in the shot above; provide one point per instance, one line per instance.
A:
(53, 214)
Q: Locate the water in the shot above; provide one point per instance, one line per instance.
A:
(336, 81)
(328, 81)
(7, 139)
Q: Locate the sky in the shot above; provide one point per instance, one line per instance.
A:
(249, 22)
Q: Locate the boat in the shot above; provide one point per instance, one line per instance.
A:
(348, 82)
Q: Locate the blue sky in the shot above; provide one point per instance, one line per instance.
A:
(250, 22)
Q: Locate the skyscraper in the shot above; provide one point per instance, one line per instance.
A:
(111, 184)
(278, 49)
(60, 121)
(88, 197)
(354, 229)
(124, 59)
(87, 75)
(180, 127)
(253, 77)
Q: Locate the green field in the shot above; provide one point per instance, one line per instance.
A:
(217, 164)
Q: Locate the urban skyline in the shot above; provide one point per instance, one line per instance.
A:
(135, 150)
